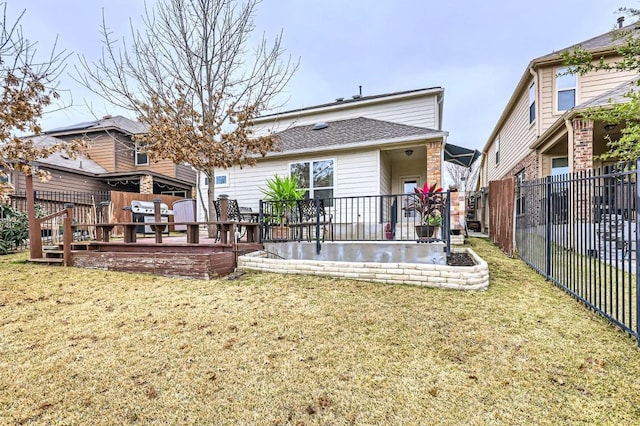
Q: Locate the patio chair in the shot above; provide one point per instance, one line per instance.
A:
(233, 215)
(311, 213)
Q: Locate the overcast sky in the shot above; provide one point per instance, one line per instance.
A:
(476, 50)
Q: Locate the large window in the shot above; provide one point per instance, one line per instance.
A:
(142, 159)
(565, 90)
(532, 103)
(316, 177)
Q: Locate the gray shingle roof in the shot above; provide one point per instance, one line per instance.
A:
(350, 131)
(116, 122)
(81, 163)
(600, 43)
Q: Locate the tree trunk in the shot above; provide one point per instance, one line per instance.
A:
(211, 229)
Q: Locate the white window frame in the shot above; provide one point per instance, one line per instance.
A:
(532, 102)
(311, 189)
(557, 89)
(496, 144)
(137, 153)
(222, 179)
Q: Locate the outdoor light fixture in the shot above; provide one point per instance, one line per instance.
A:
(609, 127)
(409, 152)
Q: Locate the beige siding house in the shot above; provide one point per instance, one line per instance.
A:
(541, 131)
(112, 162)
(373, 145)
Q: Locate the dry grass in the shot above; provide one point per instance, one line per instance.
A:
(94, 347)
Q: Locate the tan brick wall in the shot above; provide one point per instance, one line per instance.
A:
(434, 163)
(146, 184)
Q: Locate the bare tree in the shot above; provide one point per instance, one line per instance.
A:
(189, 75)
(465, 178)
(28, 86)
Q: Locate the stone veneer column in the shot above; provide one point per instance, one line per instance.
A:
(146, 184)
(434, 163)
(582, 145)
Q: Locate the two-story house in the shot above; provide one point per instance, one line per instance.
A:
(112, 162)
(541, 131)
(363, 145)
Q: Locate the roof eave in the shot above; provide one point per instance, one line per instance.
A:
(389, 143)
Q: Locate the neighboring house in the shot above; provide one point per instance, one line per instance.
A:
(541, 131)
(112, 162)
(364, 145)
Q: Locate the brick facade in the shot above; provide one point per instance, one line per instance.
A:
(530, 166)
(582, 145)
(434, 162)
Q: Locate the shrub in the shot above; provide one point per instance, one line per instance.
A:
(14, 228)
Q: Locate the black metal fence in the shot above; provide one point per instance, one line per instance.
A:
(581, 232)
(403, 217)
(86, 210)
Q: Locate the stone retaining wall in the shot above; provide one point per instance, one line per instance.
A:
(421, 274)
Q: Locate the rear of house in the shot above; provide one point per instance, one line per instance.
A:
(362, 146)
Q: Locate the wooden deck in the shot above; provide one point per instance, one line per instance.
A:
(185, 256)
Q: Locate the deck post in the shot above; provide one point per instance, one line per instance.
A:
(157, 218)
(67, 238)
(35, 236)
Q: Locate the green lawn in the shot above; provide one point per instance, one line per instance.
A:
(95, 347)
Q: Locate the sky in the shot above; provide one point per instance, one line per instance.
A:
(476, 50)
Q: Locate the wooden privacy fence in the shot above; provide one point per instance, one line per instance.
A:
(501, 219)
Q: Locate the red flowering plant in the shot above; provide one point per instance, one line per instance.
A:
(427, 202)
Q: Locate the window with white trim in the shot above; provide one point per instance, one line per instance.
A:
(142, 159)
(316, 177)
(565, 90)
(496, 144)
(532, 103)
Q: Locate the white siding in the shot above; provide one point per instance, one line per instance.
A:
(385, 173)
(355, 174)
(420, 111)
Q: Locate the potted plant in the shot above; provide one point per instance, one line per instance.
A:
(427, 202)
(281, 195)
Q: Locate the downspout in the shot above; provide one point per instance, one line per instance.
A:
(439, 109)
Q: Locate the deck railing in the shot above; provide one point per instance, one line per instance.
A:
(365, 218)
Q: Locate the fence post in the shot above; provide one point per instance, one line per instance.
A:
(637, 203)
(67, 238)
(547, 228)
(317, 204)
